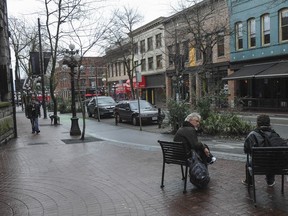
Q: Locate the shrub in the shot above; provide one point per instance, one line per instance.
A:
(226, 124)
(177, 113)
(204, 107)
(63, 108)
(6, 124)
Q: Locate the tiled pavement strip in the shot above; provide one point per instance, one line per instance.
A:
(41, 175)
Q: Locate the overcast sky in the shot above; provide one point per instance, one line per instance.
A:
(150, 9)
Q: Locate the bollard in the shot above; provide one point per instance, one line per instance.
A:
(159, 118)
(116, 120)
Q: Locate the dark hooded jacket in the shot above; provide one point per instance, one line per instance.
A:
(255, 139)
(188, 135)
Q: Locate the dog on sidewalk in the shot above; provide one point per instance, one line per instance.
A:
(53, 118)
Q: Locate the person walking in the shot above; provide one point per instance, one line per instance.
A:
(262, 136)
(33, 112)
(188, 135)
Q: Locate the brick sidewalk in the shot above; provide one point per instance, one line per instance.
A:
(41, 175)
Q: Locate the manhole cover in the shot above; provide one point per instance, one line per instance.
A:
(78, 141)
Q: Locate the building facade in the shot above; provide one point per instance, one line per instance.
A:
(8, 128)
(259, 54)
(197, 47)
(168, 52)
(148, 56)
(92, 77)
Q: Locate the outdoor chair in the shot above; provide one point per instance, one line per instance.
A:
(267, 160)
(175, 153)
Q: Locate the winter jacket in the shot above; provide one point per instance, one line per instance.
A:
(255, 139)
(33, 110)
(188, 135)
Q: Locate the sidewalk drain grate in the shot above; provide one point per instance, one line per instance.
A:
(78, 141)
(39, 143)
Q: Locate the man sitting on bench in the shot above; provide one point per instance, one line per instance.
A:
(262, 136)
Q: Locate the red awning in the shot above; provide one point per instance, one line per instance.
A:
(122, 88)
(141, 84)
(47, 97)
(90, 95)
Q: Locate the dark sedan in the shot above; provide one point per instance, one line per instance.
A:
(104, 104)
(129, 111)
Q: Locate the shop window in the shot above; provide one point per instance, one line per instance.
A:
(171, 55)
(251, 33)
(159, 61)
(135, 48)
(239, 36)
(186, 50)
(265, 24)
(142, 46)
(150, 43)
(283, 22)
(116, 69)
(158, 40)
(143, 65)
(220, 44)
(150, 63)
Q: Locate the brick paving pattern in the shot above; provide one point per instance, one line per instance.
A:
(41, 175)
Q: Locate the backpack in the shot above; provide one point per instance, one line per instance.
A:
(273, 139)
(198, 171)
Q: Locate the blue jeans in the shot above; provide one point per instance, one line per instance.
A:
(34, 124)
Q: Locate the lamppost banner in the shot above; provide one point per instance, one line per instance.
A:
(35, 62)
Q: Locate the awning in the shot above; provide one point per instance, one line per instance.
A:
(249, 71)
(278, 70)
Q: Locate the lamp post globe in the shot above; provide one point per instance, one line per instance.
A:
(71, 59)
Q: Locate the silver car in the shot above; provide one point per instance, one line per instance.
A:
(104, 104)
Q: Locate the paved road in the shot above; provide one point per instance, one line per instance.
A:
(127, 134)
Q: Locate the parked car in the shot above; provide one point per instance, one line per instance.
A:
(104, 104)
(128, 111)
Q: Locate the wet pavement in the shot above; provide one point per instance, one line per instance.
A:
(51, 174)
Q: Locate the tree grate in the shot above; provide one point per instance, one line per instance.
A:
(79, 141)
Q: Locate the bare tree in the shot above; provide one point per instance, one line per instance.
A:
(58, 16)
(204, 23)
(23, 39)
(120, 35)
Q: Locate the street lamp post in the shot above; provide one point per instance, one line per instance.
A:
(71, 59)
(114, 87)
(104, 84)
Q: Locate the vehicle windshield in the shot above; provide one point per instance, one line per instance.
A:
(143, 105)
(106, 100)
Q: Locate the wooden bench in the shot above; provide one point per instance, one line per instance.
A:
(175, 153)
(268, 160)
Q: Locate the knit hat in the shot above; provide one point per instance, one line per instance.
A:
(263, 120)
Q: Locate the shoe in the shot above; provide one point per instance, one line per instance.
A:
(244, 182)
(211, 160)
(33, 132)
(38, 132)
(271, 185)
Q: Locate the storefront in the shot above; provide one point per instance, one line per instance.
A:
(262, 86)
(154, 91)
